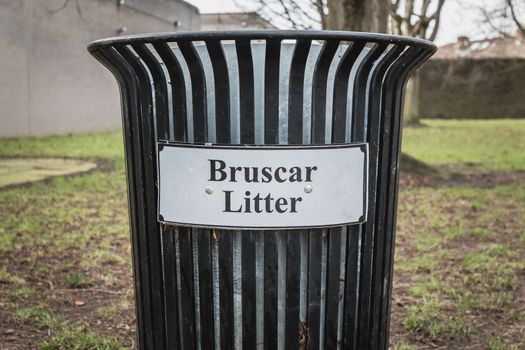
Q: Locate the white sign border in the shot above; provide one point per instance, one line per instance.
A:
(362, 219)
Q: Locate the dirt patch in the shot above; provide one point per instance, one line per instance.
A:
(500, 325)
(78, 306)
(464, 175)
(24, 170)
(84, 305)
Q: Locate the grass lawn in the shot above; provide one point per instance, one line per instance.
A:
(491, 145)
(65, 271)
(460, 250)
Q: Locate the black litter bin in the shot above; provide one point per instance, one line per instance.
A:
(295, 288)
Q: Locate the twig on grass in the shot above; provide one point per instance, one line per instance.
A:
(107, 291)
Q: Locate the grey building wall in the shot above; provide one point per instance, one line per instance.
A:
(49, 84)
(234, 20)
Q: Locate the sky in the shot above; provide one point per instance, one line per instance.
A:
(459, 17)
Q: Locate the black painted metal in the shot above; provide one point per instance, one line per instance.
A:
(226, 286)
(271, 91)
(270, 291)
(198, 288)
(314, 288)
(244, 60)
(248, 290)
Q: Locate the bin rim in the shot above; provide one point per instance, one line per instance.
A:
(260, 34)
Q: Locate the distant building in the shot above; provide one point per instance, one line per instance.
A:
(234, 20)
(475, 79)
(49, 84)
(505, 47)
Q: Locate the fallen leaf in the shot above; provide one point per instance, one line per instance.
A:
(80, 302)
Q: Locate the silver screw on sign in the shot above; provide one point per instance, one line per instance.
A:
(308, 188)
(209, 189)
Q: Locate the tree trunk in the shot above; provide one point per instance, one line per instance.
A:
(358, 15)
(411, 115)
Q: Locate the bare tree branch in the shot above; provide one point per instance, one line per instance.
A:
(422, 22)
(320, 5)
(286, 13)
(437, 19)
(504, 18)
(409, 11)
(303, 12)
(517, 22)
(489, 20)
(394, 5)
(424, 6)
(406, 21)
(397, 20)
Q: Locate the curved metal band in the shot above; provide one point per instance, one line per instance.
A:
(265, 34)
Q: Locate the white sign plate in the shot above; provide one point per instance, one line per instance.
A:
(262, 187)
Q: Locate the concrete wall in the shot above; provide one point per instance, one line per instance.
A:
(231, 21)
(49, 84)
(473, 88)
